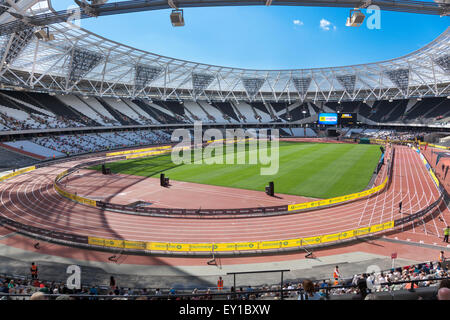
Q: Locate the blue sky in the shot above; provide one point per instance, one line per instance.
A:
(274, 37)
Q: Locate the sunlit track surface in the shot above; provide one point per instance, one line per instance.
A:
(31, 199)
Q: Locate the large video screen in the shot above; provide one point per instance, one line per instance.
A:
(328, 118)
(347, 118)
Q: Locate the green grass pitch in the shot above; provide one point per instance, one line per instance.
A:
(317, 170)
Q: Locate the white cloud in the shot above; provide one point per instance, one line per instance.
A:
(325, 24)
(298, 22)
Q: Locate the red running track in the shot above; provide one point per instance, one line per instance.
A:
(31, 199)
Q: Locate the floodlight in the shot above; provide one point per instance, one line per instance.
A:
(176, 17)
(44, 34)
(356, 18)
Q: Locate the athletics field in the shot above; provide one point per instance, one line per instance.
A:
(316, 170)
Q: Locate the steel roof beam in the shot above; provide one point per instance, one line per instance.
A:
(422, 7)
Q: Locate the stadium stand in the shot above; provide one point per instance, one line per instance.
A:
(58, 146)
(196, 110)
(214, 113)
(414, 282)
(177, 108)
(227, 109)
(34, 148)
(118, 115)
(10, 159)
(27, 110)
(101, 111)
(80, 105)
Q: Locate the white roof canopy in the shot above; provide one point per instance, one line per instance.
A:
(81, 62)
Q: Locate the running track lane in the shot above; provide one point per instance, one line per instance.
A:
(31, 199)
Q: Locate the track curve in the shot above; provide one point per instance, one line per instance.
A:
(31, 199)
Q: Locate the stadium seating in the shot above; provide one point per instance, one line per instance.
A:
(101, 111)
(80, 105)
(31, 110)
(393, 284)
(32, 147)
(10, 159)
(196, 110)
(92, 142)
(227, 109)
(246, 112)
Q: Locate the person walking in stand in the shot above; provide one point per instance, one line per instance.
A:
(400, 206)
(446, 233)
(336, 275)
(220, 284)
(34, 271)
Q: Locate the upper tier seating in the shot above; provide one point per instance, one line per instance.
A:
(228, 111)
(101, 111)
(118, 115)
(246, 111)
(177, 109)
(81, 106)
(20, 110)
(197, 111)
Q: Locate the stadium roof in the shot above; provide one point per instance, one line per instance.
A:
(78, 61)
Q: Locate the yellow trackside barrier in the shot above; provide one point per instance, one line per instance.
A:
(388, 225)
(183, 247)
(311, 241)
(247, 246)
(434, 145)
(119, 153)
(226, 246)
(425, 162)
(361, 231)
(114, 243)
(299, 206)
(291, 243)
(76, 198)
(346, 235)
(61, 175)
(157, 246)
(434, 177)
(199, 247)
(326, 202)
(239, 246)
(96, 241)
(377, 228)
(146, 154)
(266, 245)
(13, 174)
(331, 237)
(136, 245)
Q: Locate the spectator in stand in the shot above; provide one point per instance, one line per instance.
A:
(112, 283)
(443, 294)
(38, 296)
(441, 260)
(362, 288)
(309, 292)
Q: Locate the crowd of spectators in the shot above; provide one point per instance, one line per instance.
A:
(93, 142)
(35, 121)
(361, 286)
